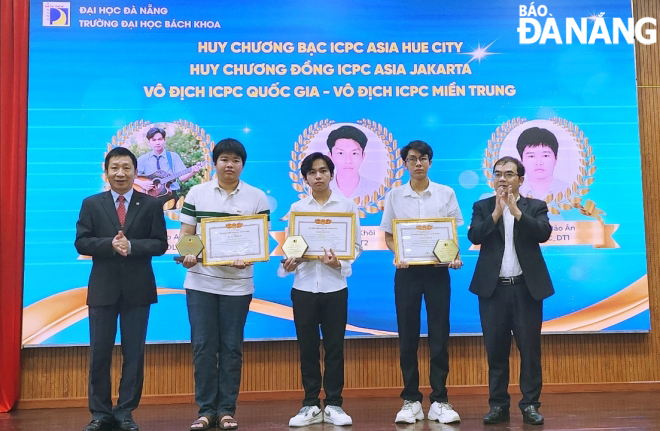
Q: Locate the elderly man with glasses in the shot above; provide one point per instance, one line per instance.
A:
(511, 280)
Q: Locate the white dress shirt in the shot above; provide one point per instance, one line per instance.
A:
(510, 265)
(365, 187)
(127, 198)
(436, 201)
(314, 276)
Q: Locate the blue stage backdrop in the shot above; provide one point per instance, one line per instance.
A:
(466, 76)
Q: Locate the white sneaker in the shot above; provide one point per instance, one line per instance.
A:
(335, 415)
(443, 413)
(306, 416)
(410, 413)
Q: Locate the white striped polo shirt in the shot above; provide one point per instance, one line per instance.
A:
(210, 200)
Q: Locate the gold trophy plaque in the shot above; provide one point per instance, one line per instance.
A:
(189, 244)
(294, 246)
(445, 251)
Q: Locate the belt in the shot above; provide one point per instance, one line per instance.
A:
(506, 281)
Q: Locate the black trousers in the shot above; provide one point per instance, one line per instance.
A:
(102, 332)
(329, 311)
(410, 284)
(512, 309)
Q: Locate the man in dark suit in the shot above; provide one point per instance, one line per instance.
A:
(512, 281)
(121, 229)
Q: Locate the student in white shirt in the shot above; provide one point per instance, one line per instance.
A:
(320, 299)
(422, 198)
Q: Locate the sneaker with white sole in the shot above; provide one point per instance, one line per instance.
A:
(410, 413)
(443, 413)
(308, 415)
(335, 415)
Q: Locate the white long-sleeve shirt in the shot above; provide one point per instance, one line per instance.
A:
(313, 275)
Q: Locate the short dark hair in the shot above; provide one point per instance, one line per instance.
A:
(229, 146)
(152, 132)
(308, 162)
(509, 159)
(347, 132)
(421, 146)
(535, 136)
(120, 152)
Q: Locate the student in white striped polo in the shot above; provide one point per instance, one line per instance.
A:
(219, 297)
(320, 299)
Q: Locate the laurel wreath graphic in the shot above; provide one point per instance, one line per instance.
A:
(121, 138)
(571, 197)
(368, 204)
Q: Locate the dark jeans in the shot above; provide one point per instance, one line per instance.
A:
(410, 284)
(512, 309)
(217, 323)
(102, 332)
(329, 311)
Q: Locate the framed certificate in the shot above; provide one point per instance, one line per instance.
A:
(327, 231)
(416, 239)
(239, 237)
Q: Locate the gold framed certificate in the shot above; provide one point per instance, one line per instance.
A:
(325, 231)
(415, 239)
(238, 237)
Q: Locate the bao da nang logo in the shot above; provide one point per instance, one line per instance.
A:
(56, 14)
(537, 25)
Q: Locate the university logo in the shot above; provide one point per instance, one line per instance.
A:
(56, 14)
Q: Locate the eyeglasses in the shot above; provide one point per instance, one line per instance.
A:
(413, 160)
(508, 175)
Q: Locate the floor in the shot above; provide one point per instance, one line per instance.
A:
(590, 411)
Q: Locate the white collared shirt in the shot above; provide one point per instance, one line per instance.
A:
(365, 187)
(510, 265)
(127, 198)
(315, 276)
(436, 201)
(210, 200)
(148, 164)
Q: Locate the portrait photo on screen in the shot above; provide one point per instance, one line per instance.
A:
(172, 157)
(360, 158)
(550, 155)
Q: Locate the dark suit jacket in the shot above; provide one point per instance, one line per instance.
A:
(113, 274)
(532, 228)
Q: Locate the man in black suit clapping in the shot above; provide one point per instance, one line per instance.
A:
(511, 280)
(121, 229)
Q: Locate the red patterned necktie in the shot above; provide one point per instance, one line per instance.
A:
(121, 210)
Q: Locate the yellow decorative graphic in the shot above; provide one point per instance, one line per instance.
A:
(376, 202)
(579, 233)
(619, 307)
(49, 316)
